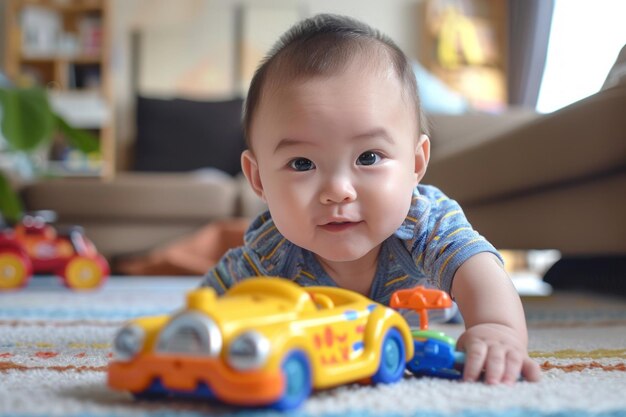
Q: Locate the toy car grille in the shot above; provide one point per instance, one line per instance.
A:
(190, 333)
(185, 340)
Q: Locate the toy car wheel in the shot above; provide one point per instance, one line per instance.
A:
(85, 273)
(297, 375)
(392, 358)
(15, 270)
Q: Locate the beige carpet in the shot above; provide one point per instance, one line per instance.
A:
(54, 347)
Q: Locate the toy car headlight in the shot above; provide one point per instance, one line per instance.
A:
(191, 333)
(248, 351)
(128, 342)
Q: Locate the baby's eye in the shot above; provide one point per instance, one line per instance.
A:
(301, 164)
(368, 158)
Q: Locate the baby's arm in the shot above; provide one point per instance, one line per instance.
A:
(495, 338)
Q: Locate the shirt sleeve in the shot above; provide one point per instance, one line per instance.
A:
(250, 260)
(444, 239)
(236, 265)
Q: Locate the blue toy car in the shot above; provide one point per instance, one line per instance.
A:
(435, 355)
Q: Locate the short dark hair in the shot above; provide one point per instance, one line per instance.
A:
(321, 45)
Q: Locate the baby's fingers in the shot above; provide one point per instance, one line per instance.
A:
(513, 367)
(475, 356)
(531, 370)
(495, 364)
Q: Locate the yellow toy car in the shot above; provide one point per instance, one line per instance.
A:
(265, 342)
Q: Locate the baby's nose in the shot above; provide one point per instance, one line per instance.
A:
(338, 189)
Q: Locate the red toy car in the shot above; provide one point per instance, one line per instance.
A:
(35, 246)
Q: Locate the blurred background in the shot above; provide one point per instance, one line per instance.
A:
(481, 54)
(160, 83)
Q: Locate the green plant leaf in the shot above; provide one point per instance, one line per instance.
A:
(10, 204)
(27, 119)
(79, 139)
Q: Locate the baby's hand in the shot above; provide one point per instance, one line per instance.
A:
(496, 349)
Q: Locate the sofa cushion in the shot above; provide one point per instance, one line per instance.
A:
(163, 197)
(136, 212)
(451, 133)
(580, 218)
(581, 141)
(183, 135)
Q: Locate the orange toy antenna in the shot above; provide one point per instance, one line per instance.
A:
(420, 299)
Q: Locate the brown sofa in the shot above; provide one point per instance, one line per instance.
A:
(136, 212)
(556, 181)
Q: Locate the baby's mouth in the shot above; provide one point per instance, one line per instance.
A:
(339, 226)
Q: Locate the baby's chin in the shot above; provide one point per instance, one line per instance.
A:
(340, 254)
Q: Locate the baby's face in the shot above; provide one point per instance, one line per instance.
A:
(335, 160)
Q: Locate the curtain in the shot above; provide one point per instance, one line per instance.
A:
(529, 32)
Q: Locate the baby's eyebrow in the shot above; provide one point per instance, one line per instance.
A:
(378, 132)
(287, 142)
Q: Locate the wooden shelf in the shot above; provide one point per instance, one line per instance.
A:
(464, 43)
(68, 6)
(83, 59)
(64, 45)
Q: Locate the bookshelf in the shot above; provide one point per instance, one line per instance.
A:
(464, 43)
(63, 45)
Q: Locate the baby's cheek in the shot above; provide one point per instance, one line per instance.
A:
(393, 204)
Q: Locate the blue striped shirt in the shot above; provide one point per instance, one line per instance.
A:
(427, 249)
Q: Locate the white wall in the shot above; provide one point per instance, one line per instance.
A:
(395, 18)
(206, 37)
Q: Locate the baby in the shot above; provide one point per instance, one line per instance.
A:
(337, 146)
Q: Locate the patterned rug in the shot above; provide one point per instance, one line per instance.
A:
(55, 344)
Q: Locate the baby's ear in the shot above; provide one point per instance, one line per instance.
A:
(422, 156)
(250, 169)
